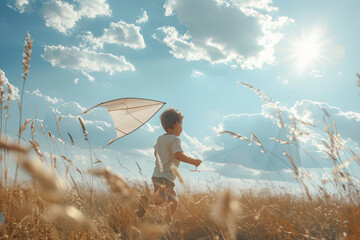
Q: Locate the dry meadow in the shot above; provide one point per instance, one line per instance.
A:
(54, 204)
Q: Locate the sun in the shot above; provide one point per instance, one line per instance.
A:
(308, 50)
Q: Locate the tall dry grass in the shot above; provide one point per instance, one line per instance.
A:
(53, 205)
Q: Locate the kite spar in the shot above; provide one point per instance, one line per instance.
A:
(129, 114)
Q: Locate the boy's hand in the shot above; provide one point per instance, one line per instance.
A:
(197, 162)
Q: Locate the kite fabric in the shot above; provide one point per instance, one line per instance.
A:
(129, 114)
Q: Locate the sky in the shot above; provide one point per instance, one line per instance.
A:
(299, 58)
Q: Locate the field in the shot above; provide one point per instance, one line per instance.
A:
(55, 205)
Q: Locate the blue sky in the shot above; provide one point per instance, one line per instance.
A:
(191, 55)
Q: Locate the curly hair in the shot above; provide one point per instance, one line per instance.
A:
(170, 117)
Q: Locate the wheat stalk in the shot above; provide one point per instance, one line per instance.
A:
(81, 120)
(26, 66)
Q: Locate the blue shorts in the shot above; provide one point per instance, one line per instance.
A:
(167, 192)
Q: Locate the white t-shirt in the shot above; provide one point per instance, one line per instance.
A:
(166, 146)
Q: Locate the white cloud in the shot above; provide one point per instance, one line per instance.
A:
(100, 128)
(257, 4)
(15, 90)
(309, 147)
(85, 60)
(120, 33)
(80, 158)
(63, 16)
(94, 8)
(283, 80)
(150, 128)
(197, 148)
(146, 152)
(70, 108)
(76, 80)
(143, 19)
(60, 15)
(52, 100)
(317, 73)
(213, 36)
(20, 5)
(182, 46)
(196, 73)
(219, 128)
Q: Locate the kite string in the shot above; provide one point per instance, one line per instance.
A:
(216, 155)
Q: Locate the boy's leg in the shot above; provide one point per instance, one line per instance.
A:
(171, 211)
(172, 199)
(173, 207)
(158, 197)
(143, 205)
(145, 201)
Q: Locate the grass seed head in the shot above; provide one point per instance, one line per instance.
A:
(23, 127)
(52, 189)
(68, 216)
(81, 120)
(71, 139)
(225, 211)
(116, 182)
(12, 146)
(52, 137)
(42, 129)
(67, 159)
(27, 55)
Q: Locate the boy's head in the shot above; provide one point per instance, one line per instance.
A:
(170, 119)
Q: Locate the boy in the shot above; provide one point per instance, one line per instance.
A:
(168, 153)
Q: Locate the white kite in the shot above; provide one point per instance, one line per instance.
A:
(129, 114)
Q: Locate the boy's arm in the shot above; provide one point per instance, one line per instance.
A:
(183, 158)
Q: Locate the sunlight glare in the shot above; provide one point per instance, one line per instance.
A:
(308, 49)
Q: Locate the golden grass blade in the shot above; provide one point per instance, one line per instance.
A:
(69, 217)
(296, 170)
(33, 129)
(71, 139)
(52, 137)
(225, 211)
(151, 231)
(67, 159)
(52, 188)
(236, 135)
(27, 55)
(281, 141)
(346, 163)
(264, 97)
(14, 147)
(257, 141)
(23, 127)
(67, 169)
(10, 90)
(280, 121)
(42, 129)
(115, 181)
(35, 144)
(58, 124)
(81, 120)
(175, 171)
